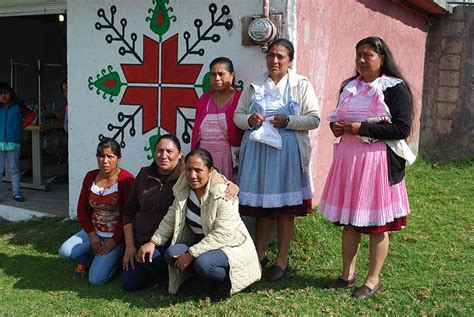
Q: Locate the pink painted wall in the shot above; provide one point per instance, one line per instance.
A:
(327, 32)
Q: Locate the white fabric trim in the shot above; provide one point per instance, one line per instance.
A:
(379, 85)
(104, 191)
(104, 234)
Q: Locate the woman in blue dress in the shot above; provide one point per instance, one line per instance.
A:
(274, 179)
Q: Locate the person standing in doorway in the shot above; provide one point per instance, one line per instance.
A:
(10, 138)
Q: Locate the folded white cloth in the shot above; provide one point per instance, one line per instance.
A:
(235, 151)
(401, 148)
(267, 134)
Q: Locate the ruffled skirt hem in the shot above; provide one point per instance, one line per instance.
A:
(357, 190)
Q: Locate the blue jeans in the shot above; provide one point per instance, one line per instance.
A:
(139, 277)
(212, 265)
(101, 267)
(13, 159)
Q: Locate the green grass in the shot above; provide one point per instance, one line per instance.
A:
(429, 270)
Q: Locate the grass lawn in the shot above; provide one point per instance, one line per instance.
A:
(429, 270)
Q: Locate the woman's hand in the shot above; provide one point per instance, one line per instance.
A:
(232, 191)
(106, 247)
(256, 120)
(279, 121)
(146, 249)
(352, 128)
(183, 261)
(95, 242)
(129, 258)
(337, 128)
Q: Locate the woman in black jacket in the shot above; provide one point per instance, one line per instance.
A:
(365, 191)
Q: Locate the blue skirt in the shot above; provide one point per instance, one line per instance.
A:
(272, 178)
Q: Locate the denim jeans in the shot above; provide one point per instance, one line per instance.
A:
(139, 277)
(212, 265)
(13, 159)
(101, 267)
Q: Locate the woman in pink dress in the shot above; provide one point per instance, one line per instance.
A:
(214, 129)
(365, 191)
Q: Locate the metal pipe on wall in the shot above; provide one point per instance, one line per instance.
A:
(266, 8)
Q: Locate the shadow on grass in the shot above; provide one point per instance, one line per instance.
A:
(52, 274)
(49, 273)
(43, 234)
(293, 280)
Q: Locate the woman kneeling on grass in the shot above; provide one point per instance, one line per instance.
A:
(98, 247)
(206, 231)
(150, 199)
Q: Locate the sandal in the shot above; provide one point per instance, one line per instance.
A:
(19, 197)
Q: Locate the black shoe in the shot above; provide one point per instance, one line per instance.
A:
(276, 273)
(341, 283)
(219, 291)
(365, 291)
(19, 197)
(264, 261)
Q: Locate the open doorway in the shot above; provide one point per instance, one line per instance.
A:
(34, 62)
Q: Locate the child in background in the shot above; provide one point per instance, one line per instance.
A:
(10, 137)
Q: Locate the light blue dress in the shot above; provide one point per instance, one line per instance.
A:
(269, 177)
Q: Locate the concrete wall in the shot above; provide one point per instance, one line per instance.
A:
(447, 129)
(327, 34)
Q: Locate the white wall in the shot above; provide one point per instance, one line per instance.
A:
(89, 53)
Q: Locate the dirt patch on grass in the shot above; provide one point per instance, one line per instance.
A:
(8, 236)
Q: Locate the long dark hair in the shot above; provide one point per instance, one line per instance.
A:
(5, 87)
(389, 67)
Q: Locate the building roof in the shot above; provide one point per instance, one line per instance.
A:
(426, 7)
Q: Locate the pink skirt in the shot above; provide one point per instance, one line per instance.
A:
(221, 155)
(357, 190)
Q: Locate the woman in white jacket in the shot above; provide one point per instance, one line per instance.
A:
(206, 231)
(274, 179)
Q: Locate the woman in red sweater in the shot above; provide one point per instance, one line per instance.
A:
(98, 247)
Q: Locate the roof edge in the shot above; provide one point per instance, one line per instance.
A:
(426, 7)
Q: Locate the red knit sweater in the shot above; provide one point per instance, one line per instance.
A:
(84, 211)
